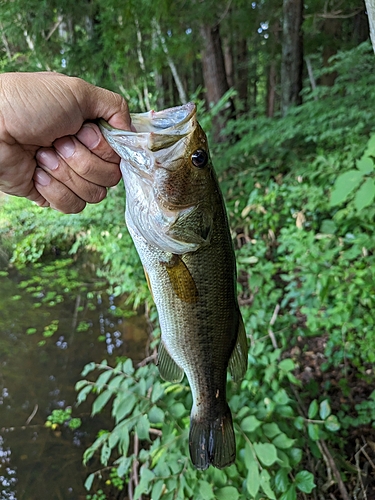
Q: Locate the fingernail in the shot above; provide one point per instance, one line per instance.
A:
(88, 136)
(65, 146)
(40, 177)
(48, 159)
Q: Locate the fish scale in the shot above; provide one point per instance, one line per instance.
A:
(183, 239)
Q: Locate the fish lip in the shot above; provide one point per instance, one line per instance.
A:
(158, 122)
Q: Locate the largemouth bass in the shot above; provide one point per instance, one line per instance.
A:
(176, 216)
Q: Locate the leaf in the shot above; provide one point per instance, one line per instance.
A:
(226, 493)
(82, 395)
(295, 455)
(103, 378)
(156, 415)
(283, 441)
(157, 490)
(282, 480)
(265, 484)
(344, 185)
(126, 405)
(290, 494)
(89, 481)
(100, 401)
(328, 227)
(271, 430)
(281, 397)
(365, 195)
(313, 431)
(250, 424)
(365, 165)
(266, 452)
(88, 368)
(332, 424)
(253, 479)
(324, 409)
(177, 410)
(105, 454)
(313, 409)
(305, 481)
(299, 423)
(287, 365)
(30, 331)
(205, 490)
(157, 391)
(143, 428)
(249, 455)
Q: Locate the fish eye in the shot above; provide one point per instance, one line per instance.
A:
(199, 158)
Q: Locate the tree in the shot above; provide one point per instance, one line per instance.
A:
(292, 54)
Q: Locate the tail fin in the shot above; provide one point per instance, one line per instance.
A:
(212, 442)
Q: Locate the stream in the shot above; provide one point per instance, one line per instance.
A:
(38, 372)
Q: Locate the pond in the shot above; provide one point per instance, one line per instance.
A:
(38, 372)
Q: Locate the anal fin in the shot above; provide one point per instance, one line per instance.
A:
(238, 360)
(168, 368)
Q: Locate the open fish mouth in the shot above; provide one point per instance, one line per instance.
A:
(155, 129)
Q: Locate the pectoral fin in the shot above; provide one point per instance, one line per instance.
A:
(181, 280)
(238, 360)
(148, 282)
(168, 369)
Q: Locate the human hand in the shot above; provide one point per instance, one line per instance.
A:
(49, 153)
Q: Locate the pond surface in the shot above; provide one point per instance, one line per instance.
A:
(38, 375)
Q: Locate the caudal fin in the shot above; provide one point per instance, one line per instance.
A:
(212, 442)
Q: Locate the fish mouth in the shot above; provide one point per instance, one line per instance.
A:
(154, 129)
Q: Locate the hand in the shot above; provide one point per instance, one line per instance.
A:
(49, 153)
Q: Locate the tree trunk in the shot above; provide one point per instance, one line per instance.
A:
(271, 89)
(292, 54)
(242, 72)
(332, 30)
(370, 6)
(214, 75)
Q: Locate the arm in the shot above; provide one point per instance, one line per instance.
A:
(49, 152)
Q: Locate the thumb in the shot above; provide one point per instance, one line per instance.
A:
(102, 103)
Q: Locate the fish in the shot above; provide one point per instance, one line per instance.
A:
(176, 216)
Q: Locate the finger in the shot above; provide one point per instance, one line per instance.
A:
(59, 169)
(90, 165)
(91, 137)
(59, 196)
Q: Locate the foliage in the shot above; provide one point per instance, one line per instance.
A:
(63, 417)
(156, 415)
(303, 232)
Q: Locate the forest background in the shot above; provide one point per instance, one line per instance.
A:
(285, 90)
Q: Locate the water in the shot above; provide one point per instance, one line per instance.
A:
(37, 462)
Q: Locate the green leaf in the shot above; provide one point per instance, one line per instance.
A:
(313, 409)
(365, 165)
(82, 395)
(253, 479)
(89, 481)
(344, 185)
(157, 391)
(290, 494)
(281, 480)
(283, 441)
(30, 331)
(281, 397)
(287, 365)
(101, 401)
(313, 431)
(143, 428)
(157, 490)
(103, 378)
(266, 452)
(295, 455)
(328, 227)
(88, 368)
(324, 409)
(271, 430)
(305, 481)
(126, 405)
(205, 489)
(177, 410)
(365, 195)
(250, 424)
(156, 415)
(299, 423)
(226, 493)
(370, 150)
(105, 454)
(332, 424)
(249, 455)
(265, 484)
